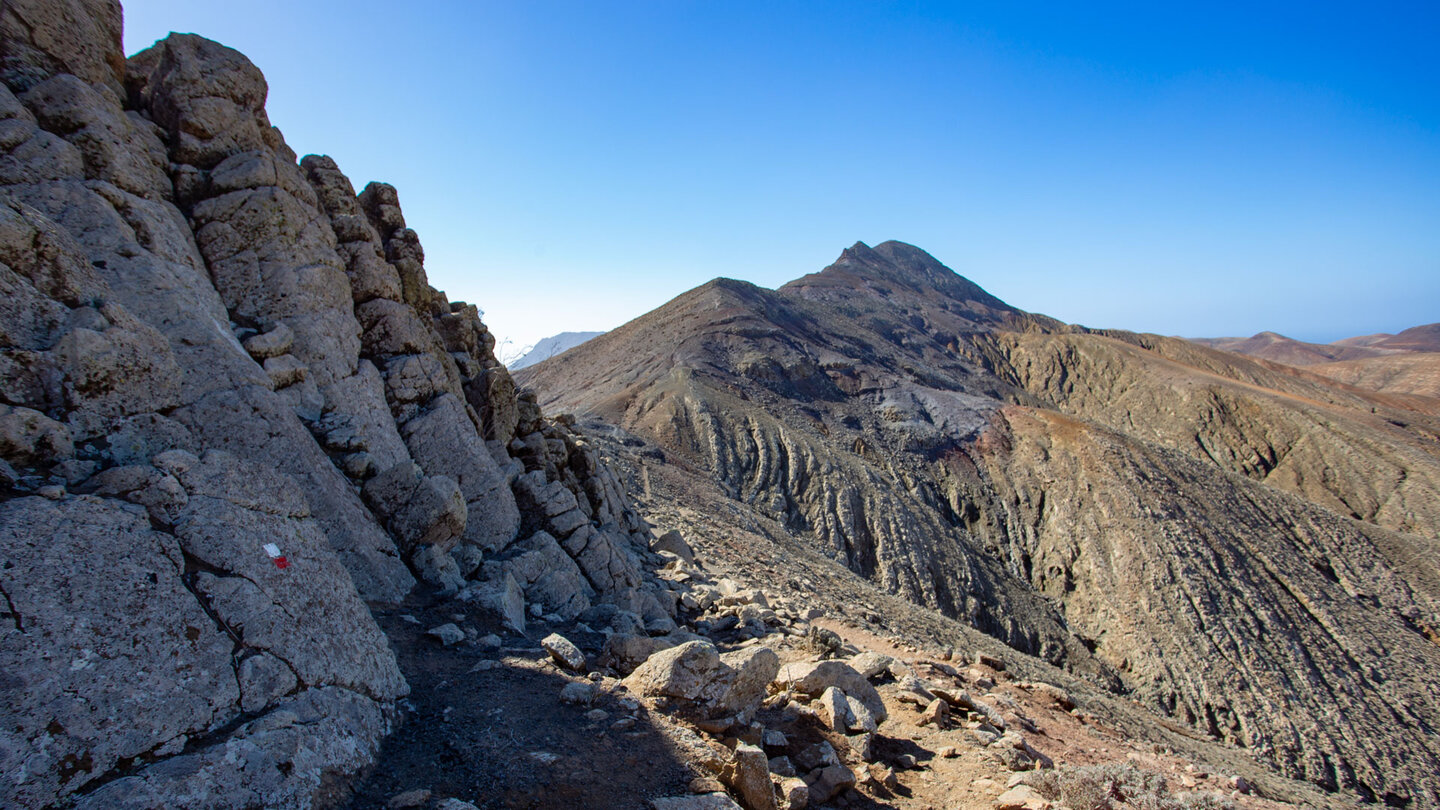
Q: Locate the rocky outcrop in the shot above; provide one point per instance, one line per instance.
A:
(1041, 482)
(233, 411)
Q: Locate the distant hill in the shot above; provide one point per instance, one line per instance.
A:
(1406, 363)
(1415, 339)
(1280, 349)
(551, 346)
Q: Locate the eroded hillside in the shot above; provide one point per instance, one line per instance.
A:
(1245, 548)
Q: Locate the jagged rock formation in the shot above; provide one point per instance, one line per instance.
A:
(1241, 546)
(232, 411)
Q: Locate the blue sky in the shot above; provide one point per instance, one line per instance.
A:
(1206, 169)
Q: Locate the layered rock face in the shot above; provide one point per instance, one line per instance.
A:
(1246, 548)
(232, 411)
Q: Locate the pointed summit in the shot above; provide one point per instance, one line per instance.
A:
(892, 267)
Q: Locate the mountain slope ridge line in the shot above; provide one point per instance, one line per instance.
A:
(864, 329)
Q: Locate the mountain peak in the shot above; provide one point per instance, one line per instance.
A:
(893, 264)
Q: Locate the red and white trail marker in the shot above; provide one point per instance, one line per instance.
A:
(275, 556)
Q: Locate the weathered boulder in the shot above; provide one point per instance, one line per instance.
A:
(748, 774)
(546, 573)
(492, 394)
(209, 98)
(829, 782)
(871, 664)
(673, 542)
(813, 678)
(273, 343)
(564, 652)
(578, 693)
(713, 685)
(437, 567)
(741, 683)
(443, 441)
(113, 145)
(447, 634)
(680, 672)
(1021, 797)
(834, 710)
(307, 613)
(503, 597)
(368, 414)
(251, 423)
(418, 510)
(29, 437)
(861, 719)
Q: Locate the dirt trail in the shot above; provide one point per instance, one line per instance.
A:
(487, 736)
(487, 726)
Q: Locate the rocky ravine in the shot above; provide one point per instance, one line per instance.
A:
(232, 412)
(1244, 547)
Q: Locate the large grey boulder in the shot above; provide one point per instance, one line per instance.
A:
(252, 423)
(680, 672)
(748, 774)
(710, 684)
(547, 574)
(813, 678)
(742, 682)
(307, 614)
(444, 441)
(418, 509)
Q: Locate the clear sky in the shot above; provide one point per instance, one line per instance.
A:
(1194, 169)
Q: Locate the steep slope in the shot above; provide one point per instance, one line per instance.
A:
(1042, 481)
(232, 412)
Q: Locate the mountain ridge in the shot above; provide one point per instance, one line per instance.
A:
(972, 425)
(280, 530)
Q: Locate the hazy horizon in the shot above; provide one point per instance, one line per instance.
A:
(569, 167)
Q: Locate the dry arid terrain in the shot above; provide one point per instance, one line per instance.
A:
(1244, 548)
(1404, 363)
(278, 529)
